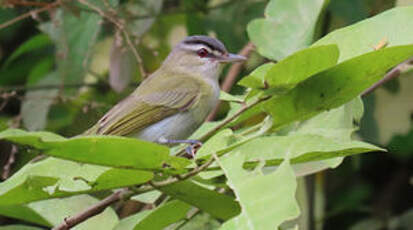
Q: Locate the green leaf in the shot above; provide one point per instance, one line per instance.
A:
(148, 197)
(256, 79)
(19, 227)
(201, 221)
(361, 37)
(301, 148)
(155, 219)
(112, 151)
(24, 213)
(53, 177)
(229, 20)
(139, 9)
(335, 86)
(218, 205)
(73, 36)
(274, 203)
(123, 66)
(35, 107)
(296, 68)
(36, 42)
(40, 70)
(224, 96)
(337, 124)
(54, 211)
(289, 26)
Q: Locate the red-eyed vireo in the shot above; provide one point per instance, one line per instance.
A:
(174, 101)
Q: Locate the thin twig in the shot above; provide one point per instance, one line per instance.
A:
(24, 3)
(395, 72)
(231, 76)
(8, 166)
(121, 27)
(229, 119)
(29, 14)
(122, 195)
(135, 53)
(91, 211)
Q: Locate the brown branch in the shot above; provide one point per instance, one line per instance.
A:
(91, 211)
(10, 161)
(229, 119)
(29, 14)
(24, 3)
(393, 73)
(231, 76)
(122, 195)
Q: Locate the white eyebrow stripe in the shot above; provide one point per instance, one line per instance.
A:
(196, 47)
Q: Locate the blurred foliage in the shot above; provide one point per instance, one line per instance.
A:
(63, 68)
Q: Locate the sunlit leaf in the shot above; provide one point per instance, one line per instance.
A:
(53, 177)
(112, 151)
(289, 26)
(335, 86)
(362, 37)
(275, 202)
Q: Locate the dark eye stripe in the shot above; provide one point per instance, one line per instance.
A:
(200, 42)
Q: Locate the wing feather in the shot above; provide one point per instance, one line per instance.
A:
(154, 100)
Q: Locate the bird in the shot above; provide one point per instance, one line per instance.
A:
(171, 103)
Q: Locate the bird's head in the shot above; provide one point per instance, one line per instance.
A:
(201, 55)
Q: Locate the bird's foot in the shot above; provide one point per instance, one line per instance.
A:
(193, 147)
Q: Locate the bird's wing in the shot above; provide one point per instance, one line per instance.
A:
(151, 102)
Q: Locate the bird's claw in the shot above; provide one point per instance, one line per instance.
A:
(193, 148)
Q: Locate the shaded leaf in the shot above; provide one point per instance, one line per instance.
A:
(36, 105)
(73, 36)
(144, 13)
(123, 66)
(155, 219)
(35, 42)
(218, 205)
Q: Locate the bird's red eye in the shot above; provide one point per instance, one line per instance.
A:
(202, 52)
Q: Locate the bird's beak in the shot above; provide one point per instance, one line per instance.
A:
(232, 58)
